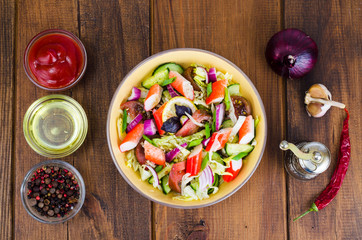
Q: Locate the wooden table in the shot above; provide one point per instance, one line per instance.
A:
(117, 36)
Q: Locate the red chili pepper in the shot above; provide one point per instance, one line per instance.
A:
(339, 173)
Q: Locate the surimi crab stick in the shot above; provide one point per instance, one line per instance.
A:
(182, 85)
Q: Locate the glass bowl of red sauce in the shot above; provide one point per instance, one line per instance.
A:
(55, 60)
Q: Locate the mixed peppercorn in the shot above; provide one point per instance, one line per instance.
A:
(53, 191)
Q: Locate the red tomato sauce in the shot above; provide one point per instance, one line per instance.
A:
(55, 60)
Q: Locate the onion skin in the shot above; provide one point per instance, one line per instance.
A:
(291, 53)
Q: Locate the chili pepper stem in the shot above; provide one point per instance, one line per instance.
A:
(313, 208)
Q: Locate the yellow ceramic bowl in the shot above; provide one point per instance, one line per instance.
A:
(185, 57)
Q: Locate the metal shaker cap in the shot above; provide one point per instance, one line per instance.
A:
(320, 160)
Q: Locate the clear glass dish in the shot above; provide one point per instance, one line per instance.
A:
(32, 210)
(55, 126)
(43, 34)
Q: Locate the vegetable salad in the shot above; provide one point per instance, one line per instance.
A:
(187, 130)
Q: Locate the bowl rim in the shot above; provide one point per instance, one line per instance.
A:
(114, 99)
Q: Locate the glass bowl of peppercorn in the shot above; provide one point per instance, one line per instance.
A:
(53, 191)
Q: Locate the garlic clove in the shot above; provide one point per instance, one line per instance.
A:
(315, 109)
(319, 91)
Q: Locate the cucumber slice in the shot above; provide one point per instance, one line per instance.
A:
(227, 124)
(158, 168)
(234, 148)
(215, 184)
(157, 78)
(165, 171)
(194, 184)
(170, 66)
(234, 89)
(164, 184)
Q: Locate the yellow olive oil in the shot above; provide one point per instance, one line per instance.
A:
(55, 125)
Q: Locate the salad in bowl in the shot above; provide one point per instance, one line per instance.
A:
(186, 134)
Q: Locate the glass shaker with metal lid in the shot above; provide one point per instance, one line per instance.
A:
(306, 160)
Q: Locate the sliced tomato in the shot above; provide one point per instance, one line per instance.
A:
(157, 115)
(193, 163)
(133, 108)
(218, 140)
(234, 169)
(140, 154)
(175, 176)
(190, 127)
(218, 92)
(154, 154)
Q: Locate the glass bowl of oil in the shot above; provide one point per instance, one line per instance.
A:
(55, 126)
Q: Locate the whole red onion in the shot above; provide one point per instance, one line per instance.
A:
(291, 53)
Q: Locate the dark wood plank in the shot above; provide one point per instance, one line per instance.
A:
(239, 31)
(116, 36)
(32, 18)
(336, 28)
(7, 16)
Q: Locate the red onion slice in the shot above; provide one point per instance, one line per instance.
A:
(174, 152)
(134, 122)
(172, 91)
(205, 72)
(212, 75)
(156, 181)
(135, 95)
(205, 142)
(220, 112)
(150, 127)
(237, 126)
(184, 119)
(206, 178)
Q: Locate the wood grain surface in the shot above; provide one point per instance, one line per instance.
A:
(111, 209)
(239, 32)
(7, 105)
(336, 28)
(32, 18)
(117, 36)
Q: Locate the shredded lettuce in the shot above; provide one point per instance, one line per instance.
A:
(166, 96)
(199, 65)
(217, 167)
(132, 161)
(200, 77)
(145, 174)
(228, 76)
(200, 98)
(144, 92)
(189, 195)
